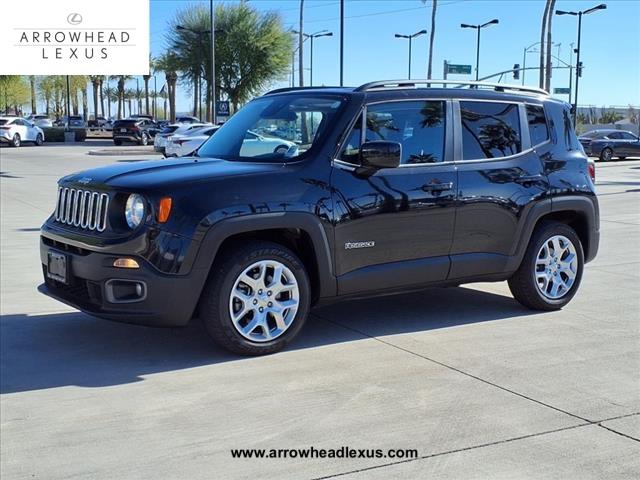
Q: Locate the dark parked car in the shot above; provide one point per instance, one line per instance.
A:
(398, 188)
(137, 130)
(74, 121)
(607, 144)
(187, 119)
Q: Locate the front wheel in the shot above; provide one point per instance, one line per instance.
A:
(606, 154)
(551, 269)
(144, 139)
(39, 139)
(256, 299)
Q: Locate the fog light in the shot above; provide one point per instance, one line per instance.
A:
(125, 263)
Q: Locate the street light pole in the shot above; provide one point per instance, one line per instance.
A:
(579, 14)
(410, 38)
(478, 28)
(311, 36)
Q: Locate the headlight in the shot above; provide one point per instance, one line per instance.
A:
(134, 210)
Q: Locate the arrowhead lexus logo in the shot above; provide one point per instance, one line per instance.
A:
(75, 37)
(74, 19)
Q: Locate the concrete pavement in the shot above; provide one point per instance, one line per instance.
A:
(480, 386)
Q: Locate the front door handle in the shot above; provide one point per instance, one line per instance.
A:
(523, 179)
(437, 187)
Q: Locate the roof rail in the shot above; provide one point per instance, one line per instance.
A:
(293, 89)
(498, 87)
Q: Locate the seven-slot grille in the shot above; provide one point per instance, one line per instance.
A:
(82, 208)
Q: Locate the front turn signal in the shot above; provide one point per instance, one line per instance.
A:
(164, 209)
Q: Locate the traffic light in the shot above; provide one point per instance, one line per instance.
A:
(579, 69)
(516, 71)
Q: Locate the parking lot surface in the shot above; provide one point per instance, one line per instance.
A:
(477, 384)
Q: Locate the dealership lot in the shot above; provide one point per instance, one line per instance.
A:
(480, 386)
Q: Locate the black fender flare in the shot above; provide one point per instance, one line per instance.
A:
(585, 206)
(311, 225)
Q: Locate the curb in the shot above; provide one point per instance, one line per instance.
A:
(125, 151)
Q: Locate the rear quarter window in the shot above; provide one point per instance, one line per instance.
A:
(538, 129)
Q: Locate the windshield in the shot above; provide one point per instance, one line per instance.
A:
(274, 128)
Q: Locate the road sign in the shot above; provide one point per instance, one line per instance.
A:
(561, 91)
(458, 69)
(222, 108)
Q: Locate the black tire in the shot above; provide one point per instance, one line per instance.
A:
(214, 303)
(606, 155)
(281, 149)
(39, 139)
(523, 285)
(117, 141)
(622, 158)
(15, 141)
(144, 139)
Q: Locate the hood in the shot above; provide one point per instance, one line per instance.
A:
(151, 174)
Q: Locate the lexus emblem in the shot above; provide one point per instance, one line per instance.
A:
(74, 19)
(85, 180)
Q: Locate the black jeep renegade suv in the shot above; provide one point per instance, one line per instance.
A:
(385, 188)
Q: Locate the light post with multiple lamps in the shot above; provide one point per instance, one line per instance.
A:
(410, 38)
(579, 14)
(478, 28)
(311, 36)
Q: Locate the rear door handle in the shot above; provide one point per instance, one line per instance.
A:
(437, 187)
(528, 179)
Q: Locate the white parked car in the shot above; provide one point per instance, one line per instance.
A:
(255, 144)
(40, 120)
(180, 145)
(160, 140)
(15, 130)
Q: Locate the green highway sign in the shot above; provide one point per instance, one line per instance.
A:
(562, 90)
(459, 69)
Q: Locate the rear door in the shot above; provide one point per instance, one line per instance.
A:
(394, 226)
(500, 175)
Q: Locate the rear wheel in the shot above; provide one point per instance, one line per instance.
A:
(551, 269)
(606, 154)
(15, 141)
(281, 149)
(256, 299)
(117, 141)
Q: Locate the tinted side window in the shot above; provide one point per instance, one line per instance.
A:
(614, 136)
(419, 126)
(628, 136)
(537, 124)
(490, 130)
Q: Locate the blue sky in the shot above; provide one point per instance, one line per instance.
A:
(610, 40)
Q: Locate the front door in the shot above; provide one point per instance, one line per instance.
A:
(394, 227)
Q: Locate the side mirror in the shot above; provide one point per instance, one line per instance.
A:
(380, 154)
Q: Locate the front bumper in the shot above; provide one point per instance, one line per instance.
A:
(166, 300)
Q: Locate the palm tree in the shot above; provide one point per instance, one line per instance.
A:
(168, 64)
(543, 32)
(434, 7)
(146, 79)
(32, 83)
(130, 94)
(122, 79)
(101, 96)
(547, 81)
(96, 81)
(111, 95)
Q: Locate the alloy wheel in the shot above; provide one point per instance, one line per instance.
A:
(556, 267)
(264, 301)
